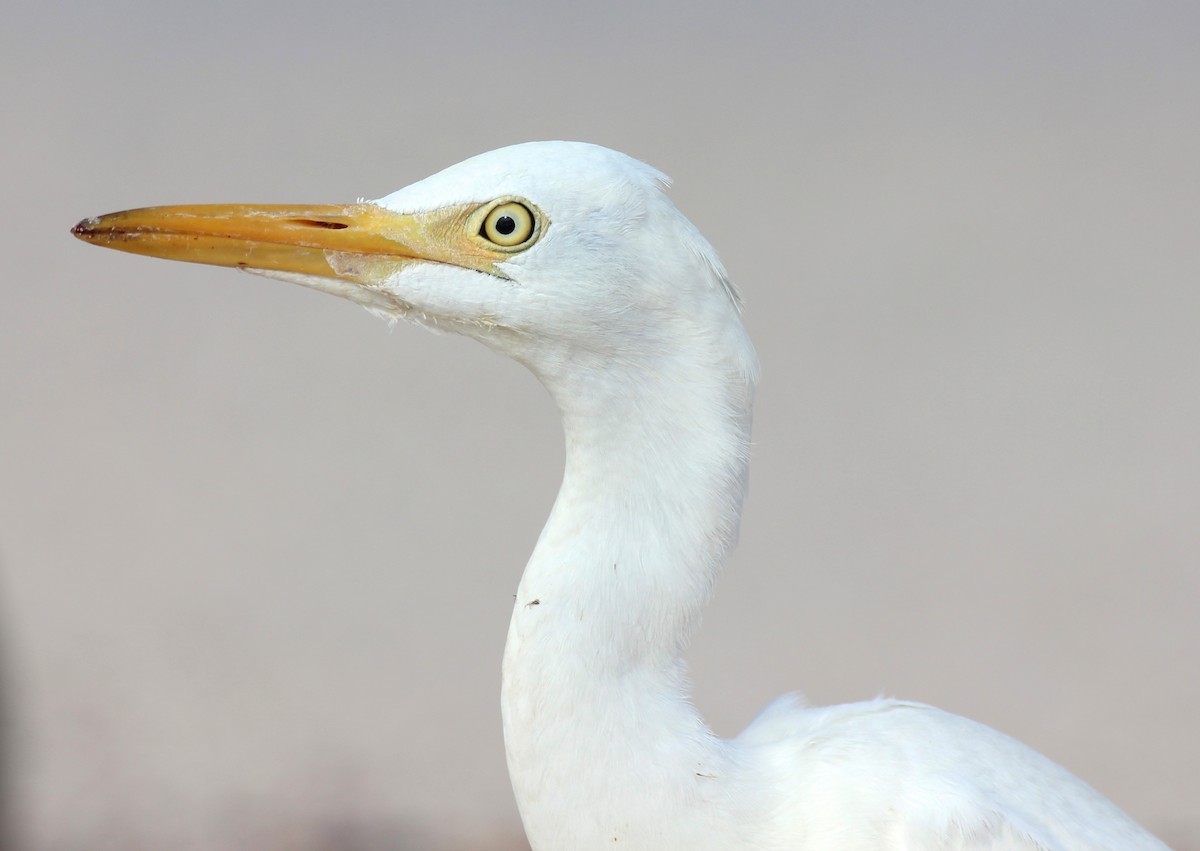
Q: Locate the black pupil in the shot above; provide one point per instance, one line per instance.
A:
(505, 225)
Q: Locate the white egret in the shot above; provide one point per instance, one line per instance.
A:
(571, 259)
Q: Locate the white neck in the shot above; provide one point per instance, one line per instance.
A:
(600, 733)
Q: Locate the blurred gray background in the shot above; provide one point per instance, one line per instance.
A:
(257, 552)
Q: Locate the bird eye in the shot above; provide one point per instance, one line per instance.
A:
(508, 225)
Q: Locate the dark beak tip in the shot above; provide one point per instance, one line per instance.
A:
(85, 228)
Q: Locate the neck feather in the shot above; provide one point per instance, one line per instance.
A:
(651, 499)
(656, 460)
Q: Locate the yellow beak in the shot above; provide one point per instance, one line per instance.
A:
(362, 243)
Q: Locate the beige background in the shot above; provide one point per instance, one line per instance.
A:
(257, 552)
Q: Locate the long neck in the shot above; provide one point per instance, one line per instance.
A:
(650, 503)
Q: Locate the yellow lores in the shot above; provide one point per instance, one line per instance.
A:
(360, 243)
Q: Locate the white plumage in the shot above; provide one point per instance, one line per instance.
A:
(623, 311)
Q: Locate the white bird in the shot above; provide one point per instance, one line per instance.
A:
(571, 259)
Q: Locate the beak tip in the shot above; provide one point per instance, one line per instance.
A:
(85, 228)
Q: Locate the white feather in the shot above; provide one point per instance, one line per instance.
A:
(626, 315)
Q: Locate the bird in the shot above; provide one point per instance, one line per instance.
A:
(571, 259)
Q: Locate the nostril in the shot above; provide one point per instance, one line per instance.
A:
(318, 223)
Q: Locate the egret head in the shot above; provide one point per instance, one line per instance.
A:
(542, 250)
